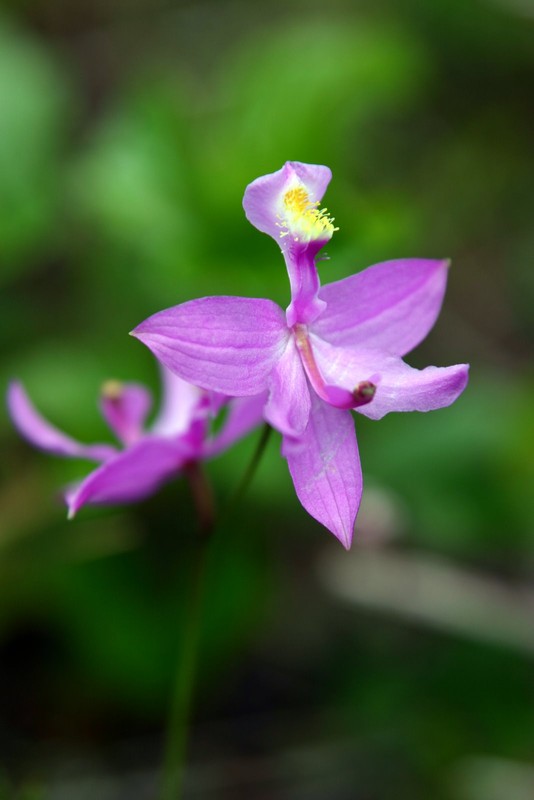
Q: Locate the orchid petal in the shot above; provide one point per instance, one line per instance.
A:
(403, 388)
(131, 475)
(244, 414)
(125, 407)
(263, 200)
(178, 405)
(288, 406)
(398, 387)
(227, 344)
(390, 306)
(47, 437)
(325, 466)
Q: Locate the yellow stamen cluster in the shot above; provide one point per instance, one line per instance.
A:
(303, 219)
(112, 390)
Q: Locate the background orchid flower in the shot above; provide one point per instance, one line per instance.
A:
(336, 348)
(149, 456)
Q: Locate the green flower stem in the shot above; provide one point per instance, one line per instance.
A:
(249, 472)
(182, 697)
(202, 496)
(183, 691)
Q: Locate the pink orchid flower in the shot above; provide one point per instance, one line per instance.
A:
(149, 457)
(337, 348)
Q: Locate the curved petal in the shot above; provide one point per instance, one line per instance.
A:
(42, 434)
(178, 404)
(244, 414)
(288, 406)
(125, 407)
(264, 198)
(131, 475)
(227, 344)
(398, 387)
(390, 306)
(325, 466)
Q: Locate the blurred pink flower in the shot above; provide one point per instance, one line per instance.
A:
(149, 457)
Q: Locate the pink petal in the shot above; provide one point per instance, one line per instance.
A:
(264, 196)
(244, 414)
(131, 475)
(399, 387)
(390, 306)
(179, 402)
(325, 466)
(227, 344)
(125, 407)
(42, 434)
(288, 407)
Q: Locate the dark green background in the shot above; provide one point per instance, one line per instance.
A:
(128, 132)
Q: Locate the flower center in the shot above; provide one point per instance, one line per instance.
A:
(303, 219)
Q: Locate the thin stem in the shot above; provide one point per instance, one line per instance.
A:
(202, 495)
(250, 471)
(182, 697)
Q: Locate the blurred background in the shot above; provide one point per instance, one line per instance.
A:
(128, 132)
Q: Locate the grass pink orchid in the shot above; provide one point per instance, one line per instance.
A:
(149, 456)
(337, 348)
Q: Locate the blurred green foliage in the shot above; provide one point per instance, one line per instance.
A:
(34, 100)
(127, 136)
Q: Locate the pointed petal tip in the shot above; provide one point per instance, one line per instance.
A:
(143, 329)
(71, 497)
(345, 538)
(460, 376)
(343, 534)
(437, 263)
(143, 336)
(444, 263)
(463, 377)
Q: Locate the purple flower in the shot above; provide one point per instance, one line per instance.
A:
(149, 457)
(336, 348)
